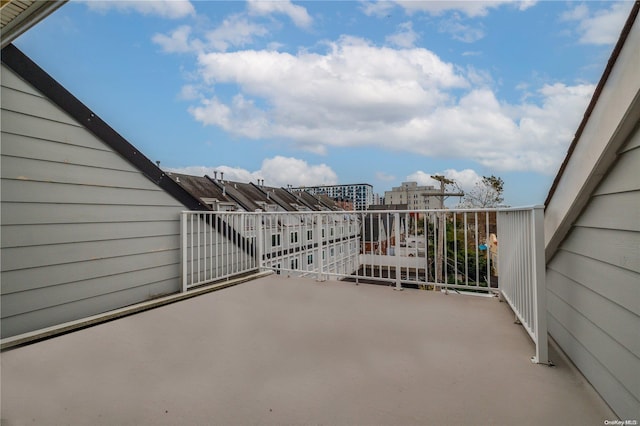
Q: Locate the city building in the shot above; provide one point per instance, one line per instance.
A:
(361, 194)
(414, 196)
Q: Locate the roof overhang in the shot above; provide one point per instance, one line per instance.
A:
(613, 113)
(17, 16)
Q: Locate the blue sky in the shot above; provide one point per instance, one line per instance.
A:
(324, 92)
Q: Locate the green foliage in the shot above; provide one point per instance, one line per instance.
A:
(455, 256)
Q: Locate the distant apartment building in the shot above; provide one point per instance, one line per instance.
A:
(414, 196)
(361, 194)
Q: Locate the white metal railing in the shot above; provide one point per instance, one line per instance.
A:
(429, 248)
(453, 249)
(522, 271)
(321, 244)
(216, 245)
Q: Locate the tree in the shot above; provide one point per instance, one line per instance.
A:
(485, 193)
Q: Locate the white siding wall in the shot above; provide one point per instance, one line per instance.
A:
(83, 231)
(593, 284)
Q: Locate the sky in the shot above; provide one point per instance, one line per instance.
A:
(338, 92)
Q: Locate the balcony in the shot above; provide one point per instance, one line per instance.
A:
(453, 250)
(280, 350)
(313, 343)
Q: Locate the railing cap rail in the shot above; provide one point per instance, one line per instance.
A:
(453, 210)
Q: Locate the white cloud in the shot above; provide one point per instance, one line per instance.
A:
(286, 170)
(236, 30)
(297, 14)
(278, 171)
(405, 36)
(377, 8)
(177, 41)
(600, 27)
(240, 117)
(460, 31)
(469, 8)
(172, 9)
(316, 97)
(578, 13)
(358, 94)
(189, 92)
(465, 179)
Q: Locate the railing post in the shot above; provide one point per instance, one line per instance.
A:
(259, 241)
(183, 246)
(539, 279)
(318, 237)
(396, 251)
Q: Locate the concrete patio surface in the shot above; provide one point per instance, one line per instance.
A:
(280, 350)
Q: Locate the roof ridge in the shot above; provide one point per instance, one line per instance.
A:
(28, 70)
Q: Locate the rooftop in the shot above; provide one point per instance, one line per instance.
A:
(292, 350)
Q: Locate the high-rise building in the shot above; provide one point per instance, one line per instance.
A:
(361, 194)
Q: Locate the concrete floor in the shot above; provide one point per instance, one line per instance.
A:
(294, 351)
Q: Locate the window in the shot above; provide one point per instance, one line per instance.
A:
(309, 259)
(275, 240)
(324, 252)
(331, 232)
(322, 232)
(294, 263)
(332, 252)
(294, 237)
(309, 235)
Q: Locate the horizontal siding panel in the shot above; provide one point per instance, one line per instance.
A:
(25, 103)
(57, 152)
(55, 254)
(633, 143)
(83, 308)
(21, 191)
(33, 300)
(39, 128)
(50, 276)
(619, 398)
(619, 362)
(10, 79)
(28, 214)
(613, 211)
(44, 171)
(618, 248)
(598, 276)
(610, 317)
(624, 176)
(22, 236)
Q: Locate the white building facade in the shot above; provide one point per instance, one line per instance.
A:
(414, 196)
(361, 194)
